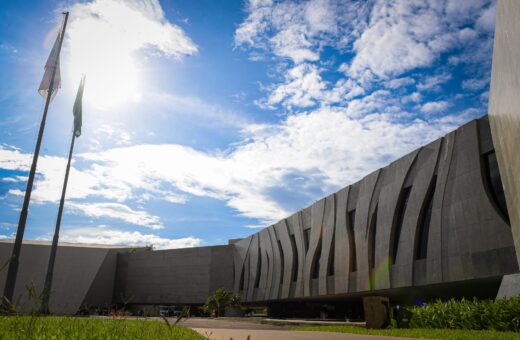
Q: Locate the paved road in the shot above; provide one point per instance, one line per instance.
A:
(229, 324)
(267, 334)
(225, 329)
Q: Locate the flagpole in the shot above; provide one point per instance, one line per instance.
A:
(14, 260)
(44, 308)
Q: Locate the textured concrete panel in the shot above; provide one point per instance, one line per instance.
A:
(282, 233)
(391, 189)
(253, 266)
(266, 252)
(239, 258)
(295, 223)
(509, 287)
(467, 236)
(363, 215)
(434, 259)
(221, 268)
(342, 246)
(329, 219)
(276, 261)
(177, 276)
(473, 225)
(425, 169)
(314, 252)
(101, 290)
(75, 270)
(504, 106)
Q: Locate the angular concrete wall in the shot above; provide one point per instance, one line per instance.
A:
(504, 106)
(326, 252)
(176, 276)
(83, 275)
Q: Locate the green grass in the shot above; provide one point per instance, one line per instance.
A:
(52, 327)
(425, 333)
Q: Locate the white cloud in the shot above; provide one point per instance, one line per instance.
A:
(399, 82)
(475, 84)
(434, 107)
(486, 22)
(12, 158)
(298, 29)
(302, 88)
(118, 211)
(433, 83)
(107, 134)
(326, 149)
(104, 235)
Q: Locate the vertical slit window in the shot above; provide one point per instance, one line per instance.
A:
(401, 209)
(258, 268)
(282, 260)
(352, 240)
(330, 269)
(372, 240)
(424, 227)
(494, 184)
(306, 237)
(241, 282)
(315, 272)
(294, 269)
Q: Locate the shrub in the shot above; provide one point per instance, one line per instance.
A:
(500, 315)
(221, 300)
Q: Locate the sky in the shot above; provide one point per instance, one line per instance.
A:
(207, 120)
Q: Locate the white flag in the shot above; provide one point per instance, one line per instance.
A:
(53, 61)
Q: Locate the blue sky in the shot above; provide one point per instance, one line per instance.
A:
(206, 120)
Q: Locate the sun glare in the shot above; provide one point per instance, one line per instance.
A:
(104, 38)
(104, 49)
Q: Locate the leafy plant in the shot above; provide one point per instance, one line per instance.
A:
(221, 300)
(499, 315)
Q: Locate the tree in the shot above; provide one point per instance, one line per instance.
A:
(221, 300)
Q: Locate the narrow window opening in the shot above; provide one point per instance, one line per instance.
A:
(282, 260)
(294, 269)
(306, 237)
(421, 250)
(241, 282)
(315, 273)
(401, 209)
(372, 239)
(330, 269)
(352, 240)
(258, 268)
(494, 184)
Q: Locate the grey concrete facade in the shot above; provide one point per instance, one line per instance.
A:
(504, 106)
(83, 276)
(443, 190)
(176, 276)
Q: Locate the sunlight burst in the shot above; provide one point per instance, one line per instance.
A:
(104, 39)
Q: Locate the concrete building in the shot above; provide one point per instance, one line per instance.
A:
(433, 223)
(442, 221)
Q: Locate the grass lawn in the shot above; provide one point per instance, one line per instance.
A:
(426, 333)
(53, 327)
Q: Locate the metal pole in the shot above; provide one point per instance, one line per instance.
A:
(14, 260)
(44, 308)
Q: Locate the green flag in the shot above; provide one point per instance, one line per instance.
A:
(77, 111)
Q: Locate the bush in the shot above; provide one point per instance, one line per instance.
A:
(221, 300)
(500, 315)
